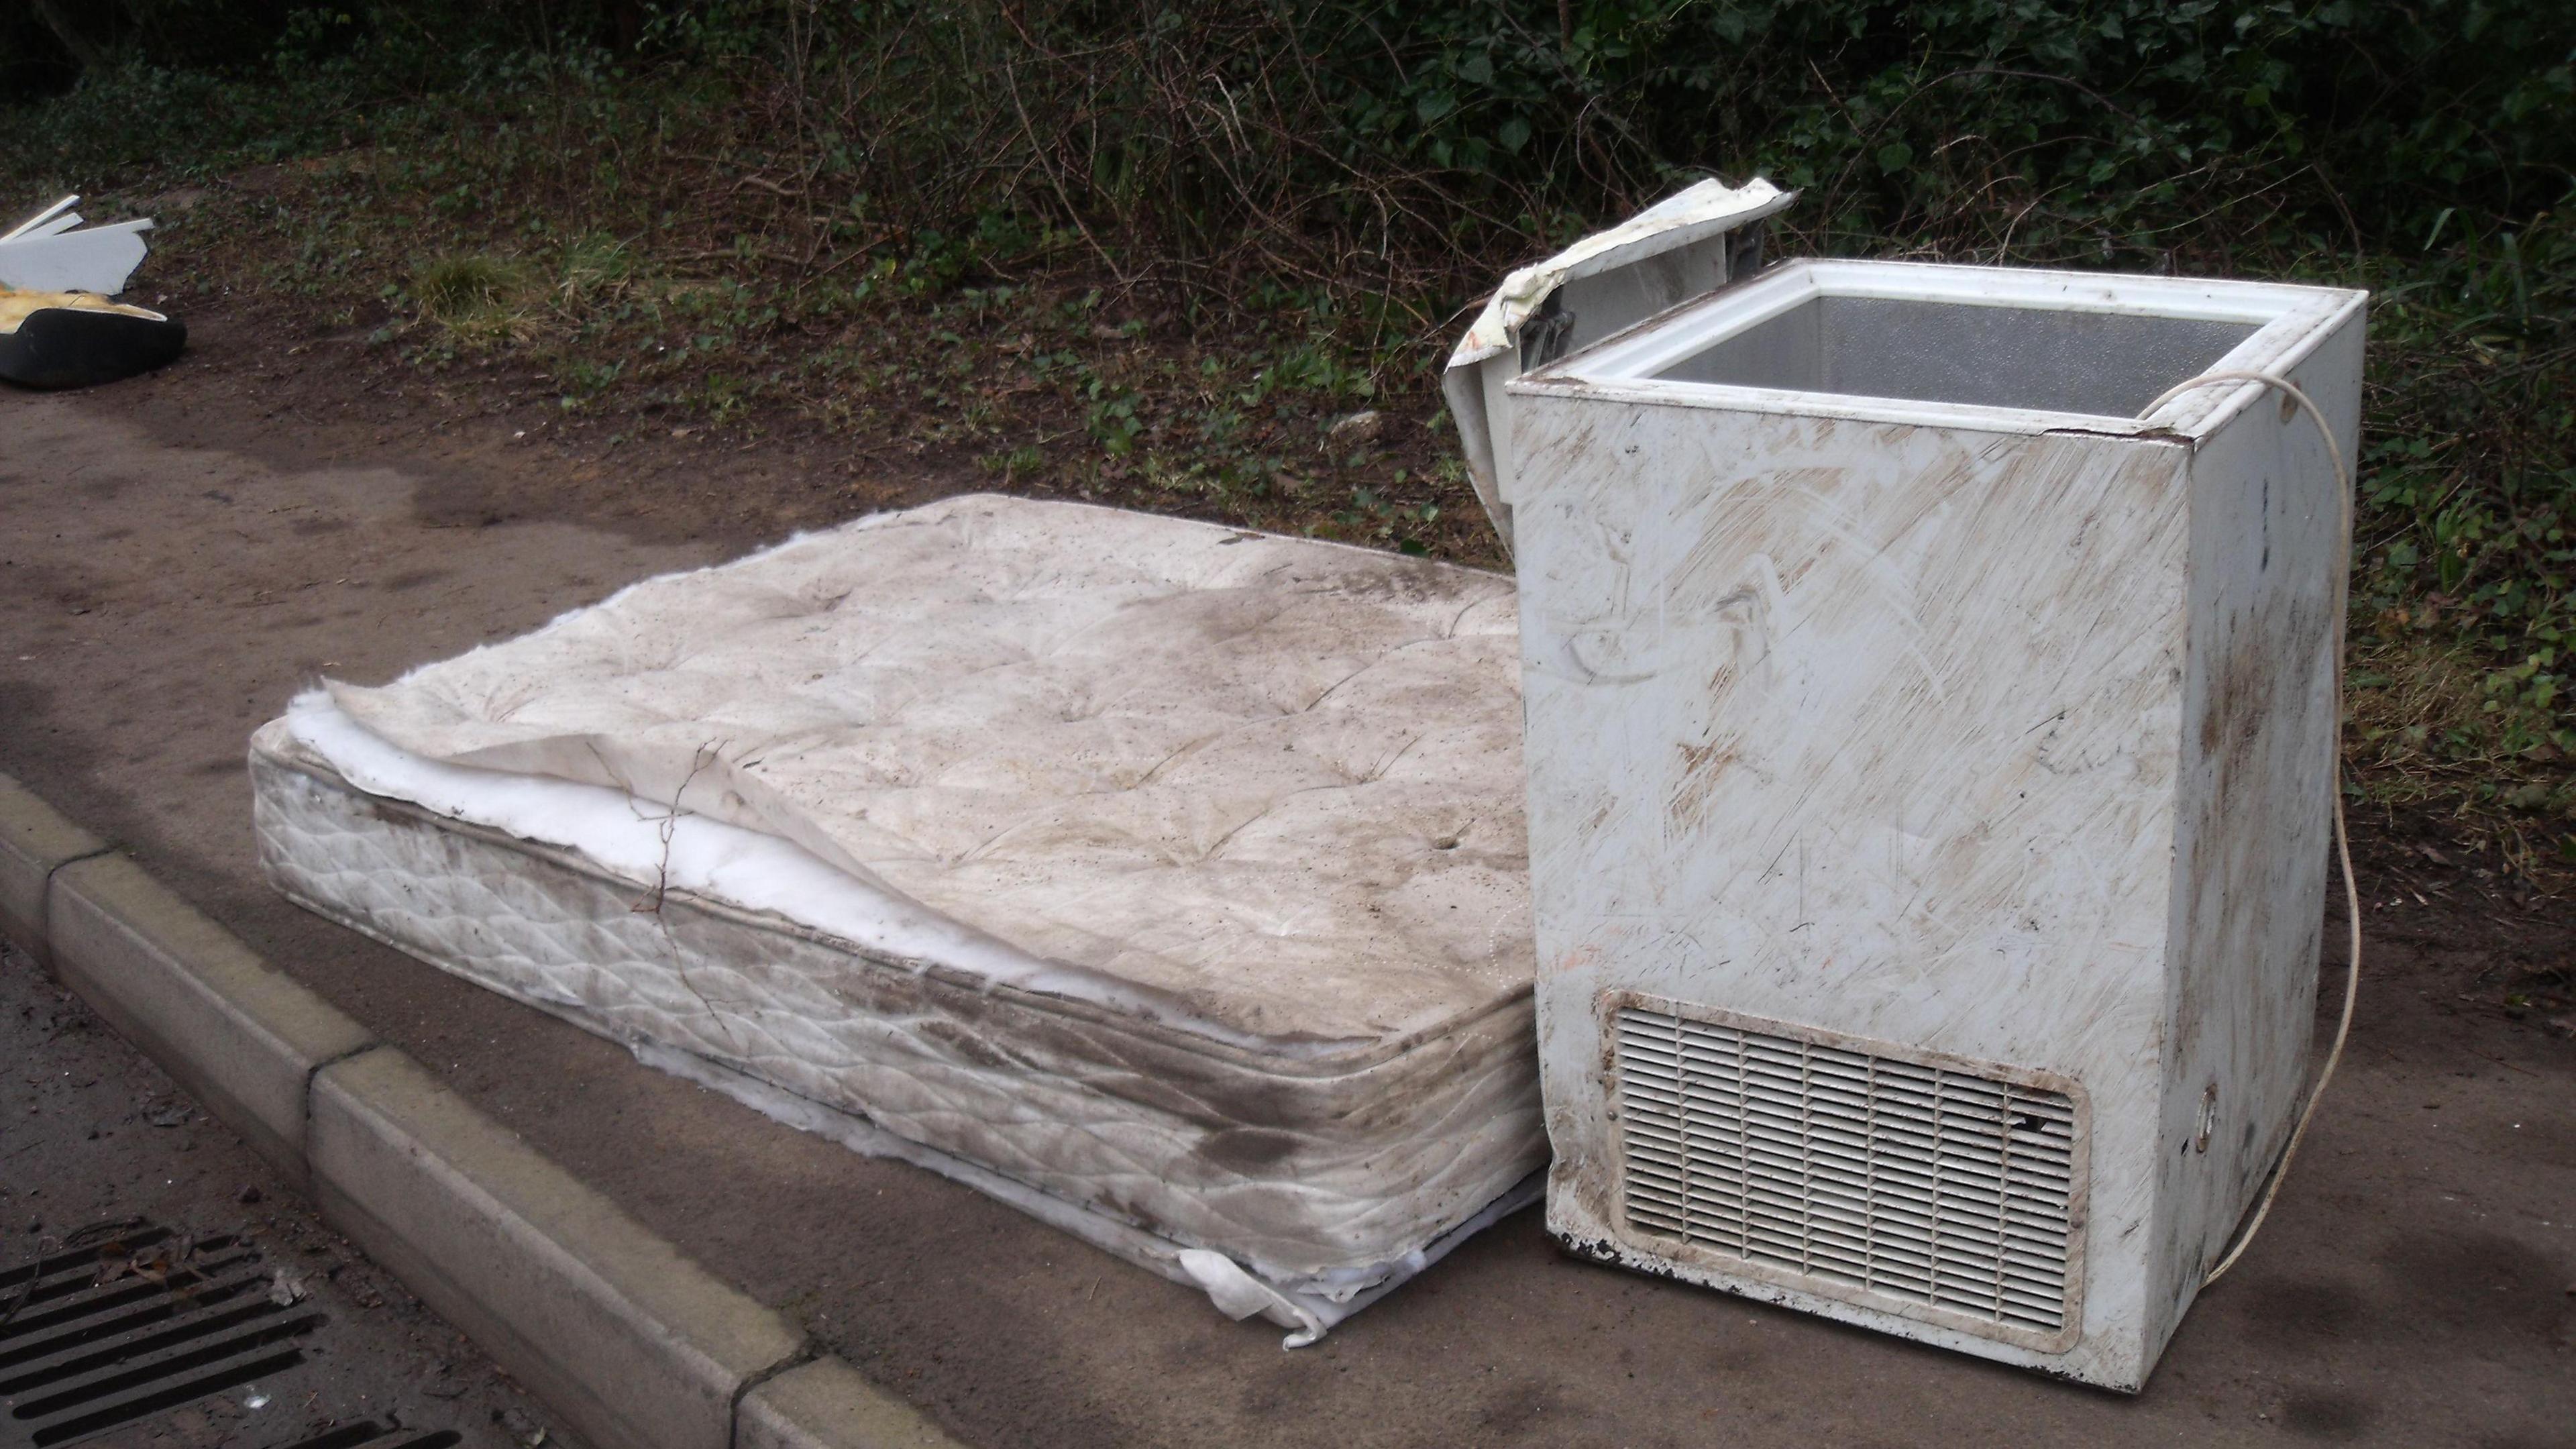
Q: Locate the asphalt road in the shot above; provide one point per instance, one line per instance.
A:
(180, 554)
(98, 1149)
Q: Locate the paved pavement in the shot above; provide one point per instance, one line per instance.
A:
(98, 1148)
(164, 587)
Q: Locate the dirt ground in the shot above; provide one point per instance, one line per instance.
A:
(180, 553)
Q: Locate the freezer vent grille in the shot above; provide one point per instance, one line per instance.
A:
(1859, 1172)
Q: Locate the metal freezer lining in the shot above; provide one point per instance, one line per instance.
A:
(1911, 1182)
(1977, 353)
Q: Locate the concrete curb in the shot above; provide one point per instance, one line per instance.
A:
(615, 1328)
(241, 1037)
(827, 1405)
(632, 1342)
(34, 843)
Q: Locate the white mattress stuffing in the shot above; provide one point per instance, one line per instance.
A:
(1166, 880)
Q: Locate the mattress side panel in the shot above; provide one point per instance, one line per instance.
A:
(1295, 1173)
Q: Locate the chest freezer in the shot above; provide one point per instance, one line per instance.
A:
(1930, 755)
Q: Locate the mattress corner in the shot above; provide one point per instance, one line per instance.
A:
(274, 740)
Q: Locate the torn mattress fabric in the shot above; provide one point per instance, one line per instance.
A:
(1165, 880)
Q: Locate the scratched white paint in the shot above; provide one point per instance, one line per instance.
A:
(1966, 729)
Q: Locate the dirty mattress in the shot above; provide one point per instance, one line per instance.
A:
(1166, 880)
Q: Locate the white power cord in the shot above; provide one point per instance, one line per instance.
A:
(2344, 486)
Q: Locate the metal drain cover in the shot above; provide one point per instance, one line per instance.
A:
(130, 1321)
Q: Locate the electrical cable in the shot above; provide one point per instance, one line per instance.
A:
(2344, 487)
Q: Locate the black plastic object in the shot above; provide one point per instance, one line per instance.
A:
(59, 347)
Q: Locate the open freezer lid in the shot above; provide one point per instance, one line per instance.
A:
(1686, 245)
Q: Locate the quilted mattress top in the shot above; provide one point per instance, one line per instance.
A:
(1273, 779)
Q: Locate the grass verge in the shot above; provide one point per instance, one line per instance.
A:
(1156, 278)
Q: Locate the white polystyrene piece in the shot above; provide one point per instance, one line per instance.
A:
(51, 226)
(1893, 734)
(44, 218)
(96, 260)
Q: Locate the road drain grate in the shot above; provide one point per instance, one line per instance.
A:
(131, 1320)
